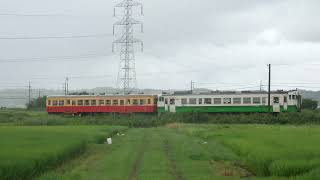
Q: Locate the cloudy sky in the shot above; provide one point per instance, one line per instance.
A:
(219, 44)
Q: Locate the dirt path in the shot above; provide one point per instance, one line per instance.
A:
(137, 162)
(172, 162)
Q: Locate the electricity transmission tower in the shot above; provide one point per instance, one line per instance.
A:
(126, 41)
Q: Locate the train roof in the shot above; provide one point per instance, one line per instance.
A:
(107, 95)
(186, 93)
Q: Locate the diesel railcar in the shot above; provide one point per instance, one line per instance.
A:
(102, 104)
(231, 102)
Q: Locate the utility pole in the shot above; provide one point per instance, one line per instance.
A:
(67, 86)
(192, 86)
(39, 100)
(29, 89)
(126, 41)
(269, 89)
(261, 86)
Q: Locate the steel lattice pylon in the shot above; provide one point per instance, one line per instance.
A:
(126, 41)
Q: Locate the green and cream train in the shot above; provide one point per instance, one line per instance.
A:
(230, 102)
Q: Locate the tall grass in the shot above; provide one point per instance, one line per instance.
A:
(280, 151)
(27, 151)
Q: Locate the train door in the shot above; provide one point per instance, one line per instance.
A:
(172, 105)
(276, 104)
(285, 103)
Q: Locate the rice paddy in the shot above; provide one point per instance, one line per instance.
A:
(175, 151)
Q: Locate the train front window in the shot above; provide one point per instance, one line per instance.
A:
(172, 101)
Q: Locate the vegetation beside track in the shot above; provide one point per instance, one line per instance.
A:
(28, 151)
(33, 118)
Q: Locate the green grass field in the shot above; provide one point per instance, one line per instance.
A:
(26, 151)
(49, 151)
(180, 151)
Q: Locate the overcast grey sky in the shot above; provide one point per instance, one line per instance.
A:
(226, 42)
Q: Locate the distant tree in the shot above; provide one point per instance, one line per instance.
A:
(309, 104)
(80, 93)
(37, 104)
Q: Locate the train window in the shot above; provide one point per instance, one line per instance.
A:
(276, 100)
(68, 102)
(142, 102)
(293, 97)
(49, 103)
(55, 103)
(207, 101)
(264, 100)
(226, 100)
(166, 101)
(128, 101)
(115, 102)
(290, 97)
(73, 103)
(285, 99)
(192, 101)
(108, 102)
(93, 102)
(161, 99)
(80, 102)
(149, 101)
(135, 102)
(247, 100)
(256, 100)
(86, 102)
(61, 103)
(217, 100)
(172, 101)
(200, 100)
(121, 102)
(236, 100)
(101, 102)
(184, 101)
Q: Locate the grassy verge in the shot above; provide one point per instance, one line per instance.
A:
(28, 151)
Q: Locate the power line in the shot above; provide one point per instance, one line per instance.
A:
(54, 58)
(33, 15)
(55, 37)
